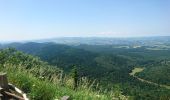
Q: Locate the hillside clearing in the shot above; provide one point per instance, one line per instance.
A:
(136, 70)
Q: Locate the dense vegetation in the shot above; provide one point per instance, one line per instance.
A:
(158, 73)
(44, 82)
(110, 65)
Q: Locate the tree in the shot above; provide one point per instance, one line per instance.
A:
(74, 74)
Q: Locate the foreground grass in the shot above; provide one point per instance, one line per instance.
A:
(44, 82)
(43, 89)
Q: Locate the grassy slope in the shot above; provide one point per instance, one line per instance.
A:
(43, 82)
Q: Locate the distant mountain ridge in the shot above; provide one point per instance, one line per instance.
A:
(144, 41)
(107, 40)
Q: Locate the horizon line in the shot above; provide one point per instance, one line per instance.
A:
(33, 40)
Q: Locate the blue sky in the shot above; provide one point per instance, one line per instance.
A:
(36, 19)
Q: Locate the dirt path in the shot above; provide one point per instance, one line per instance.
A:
(138, 70)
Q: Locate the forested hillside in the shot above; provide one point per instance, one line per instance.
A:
(45, 82)
(110, 66)
(157, 72)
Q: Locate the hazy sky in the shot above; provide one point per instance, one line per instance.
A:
(33, 19)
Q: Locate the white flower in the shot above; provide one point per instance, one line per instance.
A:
(98, 95)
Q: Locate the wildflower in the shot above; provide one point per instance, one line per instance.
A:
(98, 95)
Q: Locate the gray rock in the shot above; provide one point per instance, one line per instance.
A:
(65, 98)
